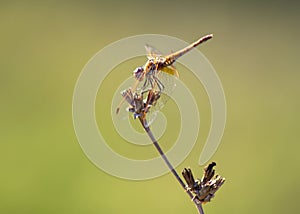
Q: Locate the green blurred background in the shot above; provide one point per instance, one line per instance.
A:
(45, 44)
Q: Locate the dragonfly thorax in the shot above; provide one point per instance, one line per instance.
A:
(150, 65)
(153, 64)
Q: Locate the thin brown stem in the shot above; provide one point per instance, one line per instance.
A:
(164, 157)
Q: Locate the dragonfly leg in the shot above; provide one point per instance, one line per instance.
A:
(151, 83)
(143, 92)
(159, 83)
(155, 82)
(145, 84)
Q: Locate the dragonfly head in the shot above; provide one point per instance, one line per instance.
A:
(138, 73)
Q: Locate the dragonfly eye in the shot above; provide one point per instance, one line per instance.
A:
(138, 73)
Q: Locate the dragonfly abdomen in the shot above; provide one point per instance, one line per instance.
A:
(170, 59)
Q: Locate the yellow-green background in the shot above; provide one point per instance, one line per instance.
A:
(45, 44)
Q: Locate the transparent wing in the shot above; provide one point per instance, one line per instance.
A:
(171, 70)
(137, 77)
(167, 80)
(151, 51)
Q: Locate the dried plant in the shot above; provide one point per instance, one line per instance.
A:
(142, 99)
(200, 191)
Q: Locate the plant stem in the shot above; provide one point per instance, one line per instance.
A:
(164, 157)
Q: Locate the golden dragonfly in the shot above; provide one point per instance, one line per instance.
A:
(153, 77)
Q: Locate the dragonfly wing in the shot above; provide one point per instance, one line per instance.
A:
(151, 116)
(171, 70)
(151, 51)
(168, 81)
(155, 108)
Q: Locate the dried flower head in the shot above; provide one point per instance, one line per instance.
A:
(204, 189)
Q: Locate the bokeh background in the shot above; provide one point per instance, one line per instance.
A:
(45, 44)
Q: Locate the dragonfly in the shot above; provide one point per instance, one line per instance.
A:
(154, 78)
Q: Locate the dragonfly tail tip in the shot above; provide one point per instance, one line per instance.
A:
(209, 36)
